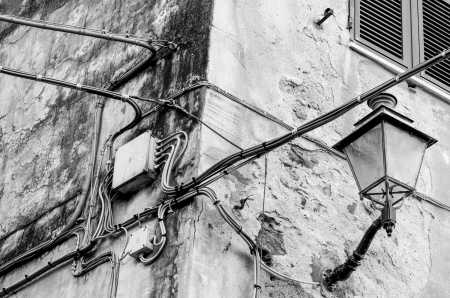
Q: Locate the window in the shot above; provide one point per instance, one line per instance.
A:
(435, 37)
(407, 32)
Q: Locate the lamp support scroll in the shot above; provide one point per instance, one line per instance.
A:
(343, 271)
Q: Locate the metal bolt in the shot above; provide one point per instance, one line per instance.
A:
(326, 14)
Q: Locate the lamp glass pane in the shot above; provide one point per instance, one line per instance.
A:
(404, 152)
(365, 155)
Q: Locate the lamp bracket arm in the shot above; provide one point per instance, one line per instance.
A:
(343, 271)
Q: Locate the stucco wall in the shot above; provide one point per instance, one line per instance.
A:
(270, 54)
(267, 53)
(46, 132)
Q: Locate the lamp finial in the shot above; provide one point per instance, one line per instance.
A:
(383, 99)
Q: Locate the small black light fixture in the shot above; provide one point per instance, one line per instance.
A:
(385, 154)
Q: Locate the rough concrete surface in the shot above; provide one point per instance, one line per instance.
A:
(46, 132)
(269, 54)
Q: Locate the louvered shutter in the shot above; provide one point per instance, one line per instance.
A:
(435, 37)
(384, 26)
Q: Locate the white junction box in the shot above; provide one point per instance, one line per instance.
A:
(134, 165)
(140, 242)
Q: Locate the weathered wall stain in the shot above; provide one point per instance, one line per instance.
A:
(54, 144)
(268, 53)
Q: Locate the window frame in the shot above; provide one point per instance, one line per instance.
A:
(413, 38)
(419, 57)
(406, 61)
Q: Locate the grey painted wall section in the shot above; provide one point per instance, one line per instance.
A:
(46, 133)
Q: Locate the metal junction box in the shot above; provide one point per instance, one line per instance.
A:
(134, 165)
(140, 242)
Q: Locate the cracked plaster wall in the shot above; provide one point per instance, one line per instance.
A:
(270, 54)
(266, 52)
(46, 132)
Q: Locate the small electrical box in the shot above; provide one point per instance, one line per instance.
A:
(140, 242)
(134, 164)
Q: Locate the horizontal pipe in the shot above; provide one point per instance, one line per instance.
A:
(102, 34)
(50, 265)
(322, 120)
(422, 83)
(10, 265)
(93, 263)
(61, 83)
(376, 91)
(85, 88)
(65, 234)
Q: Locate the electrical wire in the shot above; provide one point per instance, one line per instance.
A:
(163, 208)
(127, 240)
(265, 185)
(285, 277)
(307, 127)
(234, 158)
(84, 267)
(102, 34)
(263, 211)
(36, 251)
(209, 193)
(62, 236)
(256, 269)
(50, 266)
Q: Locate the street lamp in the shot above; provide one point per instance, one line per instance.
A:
(385, 154)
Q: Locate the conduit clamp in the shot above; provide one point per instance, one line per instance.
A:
(139, 219)
(170, 207)
(162, 228)
(197, 189)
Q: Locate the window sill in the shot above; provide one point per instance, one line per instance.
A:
(422, 83)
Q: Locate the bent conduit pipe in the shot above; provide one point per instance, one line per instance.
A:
(322, 120)
(114, 85)
(50, 265)
(65, 234)
(310, 125)
(150, 60)
(102, 34)
(12, 264)
(89, 89)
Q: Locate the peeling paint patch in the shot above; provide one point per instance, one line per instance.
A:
(351, 208)
(270, 237)
(281, 289)
(299, 156)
